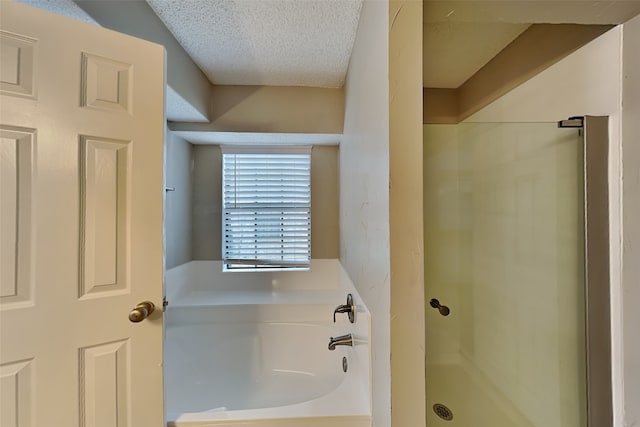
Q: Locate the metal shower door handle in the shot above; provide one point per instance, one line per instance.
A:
(443, 309)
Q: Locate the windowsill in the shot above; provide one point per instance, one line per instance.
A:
(263, 270)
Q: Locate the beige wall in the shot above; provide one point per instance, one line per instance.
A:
(631, 225)
(277, 109)
(178, 202)
(207, 202)
(405, 214)
(364, 190)
(325, 195)
(272, 110)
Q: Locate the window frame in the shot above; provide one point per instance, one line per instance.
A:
(265, 265)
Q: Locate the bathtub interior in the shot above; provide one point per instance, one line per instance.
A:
(262, 363)
(237, 344)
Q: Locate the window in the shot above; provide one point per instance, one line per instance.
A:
(266, 208)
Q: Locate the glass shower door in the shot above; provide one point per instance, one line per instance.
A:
(505, 275)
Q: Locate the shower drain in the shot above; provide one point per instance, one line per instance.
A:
(443, 412)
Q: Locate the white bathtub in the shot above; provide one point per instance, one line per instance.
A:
(258, 358)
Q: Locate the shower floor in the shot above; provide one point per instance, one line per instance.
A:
(472, 403)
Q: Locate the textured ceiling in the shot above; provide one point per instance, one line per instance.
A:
(267, 42)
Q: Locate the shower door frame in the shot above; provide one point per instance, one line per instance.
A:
(597, 299)
(597, 276)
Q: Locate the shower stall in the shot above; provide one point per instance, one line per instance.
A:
(516, 274)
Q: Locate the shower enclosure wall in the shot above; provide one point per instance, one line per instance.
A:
(508, 318)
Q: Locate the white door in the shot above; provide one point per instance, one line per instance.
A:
(81, 190)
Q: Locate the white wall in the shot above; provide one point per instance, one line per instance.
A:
(178, 202)
(364, 189)
(588, 82)
(631, 213)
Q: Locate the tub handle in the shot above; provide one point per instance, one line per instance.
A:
(348, 308)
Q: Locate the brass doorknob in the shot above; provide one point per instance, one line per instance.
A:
(141, 311)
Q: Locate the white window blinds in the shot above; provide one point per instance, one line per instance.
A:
(266, 208)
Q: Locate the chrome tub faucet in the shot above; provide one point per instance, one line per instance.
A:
(341, 340)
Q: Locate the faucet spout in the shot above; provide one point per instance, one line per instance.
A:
(341, 340)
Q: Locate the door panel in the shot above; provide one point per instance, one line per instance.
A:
(81, 128)
(16, 393)
(105, 384)
(18, 65)
(17, 154)
(104, 214)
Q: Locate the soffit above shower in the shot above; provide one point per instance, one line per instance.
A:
(267, 42)
(461, 37)
(528, 12)
(459, 49)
